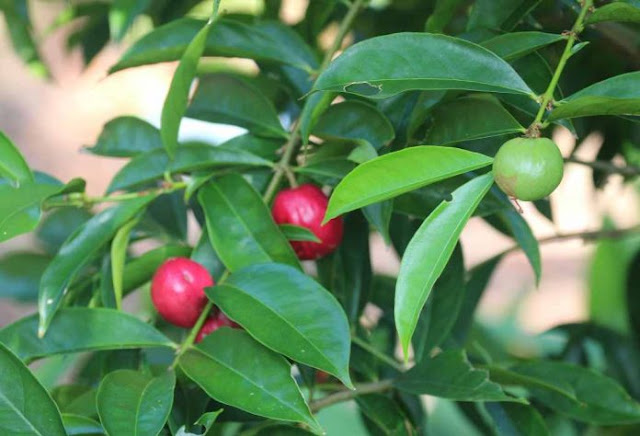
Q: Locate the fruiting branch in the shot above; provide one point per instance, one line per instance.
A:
(547, 97)
(347, 394)
(294, 139)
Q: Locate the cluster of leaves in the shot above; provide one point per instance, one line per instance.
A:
(361, 124)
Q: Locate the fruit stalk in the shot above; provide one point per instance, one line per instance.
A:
(294, 140)
(547, 97)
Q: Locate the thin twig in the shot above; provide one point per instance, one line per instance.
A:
(607, 167)
(347, 394)
(377, 354)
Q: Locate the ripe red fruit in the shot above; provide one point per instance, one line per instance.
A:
(213, 323)
(305, 206)
(177, 290)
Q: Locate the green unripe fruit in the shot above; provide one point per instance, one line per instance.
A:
(528, 168)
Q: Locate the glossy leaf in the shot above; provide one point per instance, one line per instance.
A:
(450, 375)
(581, 393)
(175, 104)
(621, 10)
(81, 425)
(354, 120)
(469, 118)
(205, 255)
(227, 99)
(411, 61)
(297, 233)
(75, 400)
(119, 247)
(441, 311)
(400, 172)
(126, 137)
(58, 225)
(192, 157)
(513, 419)
(498, 14)
(428, 252)
(236, 370)
(20, 207)
(206, 421)
(511, 46)
(379, 216)
(12, 163)
(619, 95)
(313, 108)
(102, 329)
(25, 406)
(134, 403)
(266, 41)
(266, 148)
(290, 313)
(384, 414)
(240, 226)
(77, 252)
(327, 171)
(20, 274)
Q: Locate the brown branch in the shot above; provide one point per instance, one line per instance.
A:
(346, 394)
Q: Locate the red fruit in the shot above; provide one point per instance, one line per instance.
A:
(322, 377)
(305, 206)
(213, 323)
(177, 290)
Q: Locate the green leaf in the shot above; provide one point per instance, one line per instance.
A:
(619, 95)
(58, 225)
(25, 405)
(75, 400)
(379, 216)
(12, 163)
(513, 419)
(497, 14)
(227, 99)
(450, 375)
(384, 413)
(206, 420)
(411, 61)
(313, 108)
(266, 148)
(135, 403)
(313, 331)
(441, 311)
(119, 247)
(102, 329)
(240, 225)
(122, 15)
(126, 137)
(189, 157)
(400, 172)
(443, 12)
(633, 295)
(511, 46)
(267, 41)
(177, 98)
(428, 252)
(20, 275)
(16, 15)
(20, 207)
(80, 425)
(580, 393)
(297, 233)
(327, 171)
(354, 120)
(469, 118)
(236, 370)
(205, 255)
(77, 251)
(621, 10)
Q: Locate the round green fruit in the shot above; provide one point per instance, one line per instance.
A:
(528, 168)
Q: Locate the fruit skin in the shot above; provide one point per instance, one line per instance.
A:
(213, 323)
(528, 168)
(305, 206)
(177, 290)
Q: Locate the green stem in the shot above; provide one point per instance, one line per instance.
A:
(348, 394)
(294, 139)
(83, 200)
(547, 97)
(376, 353)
